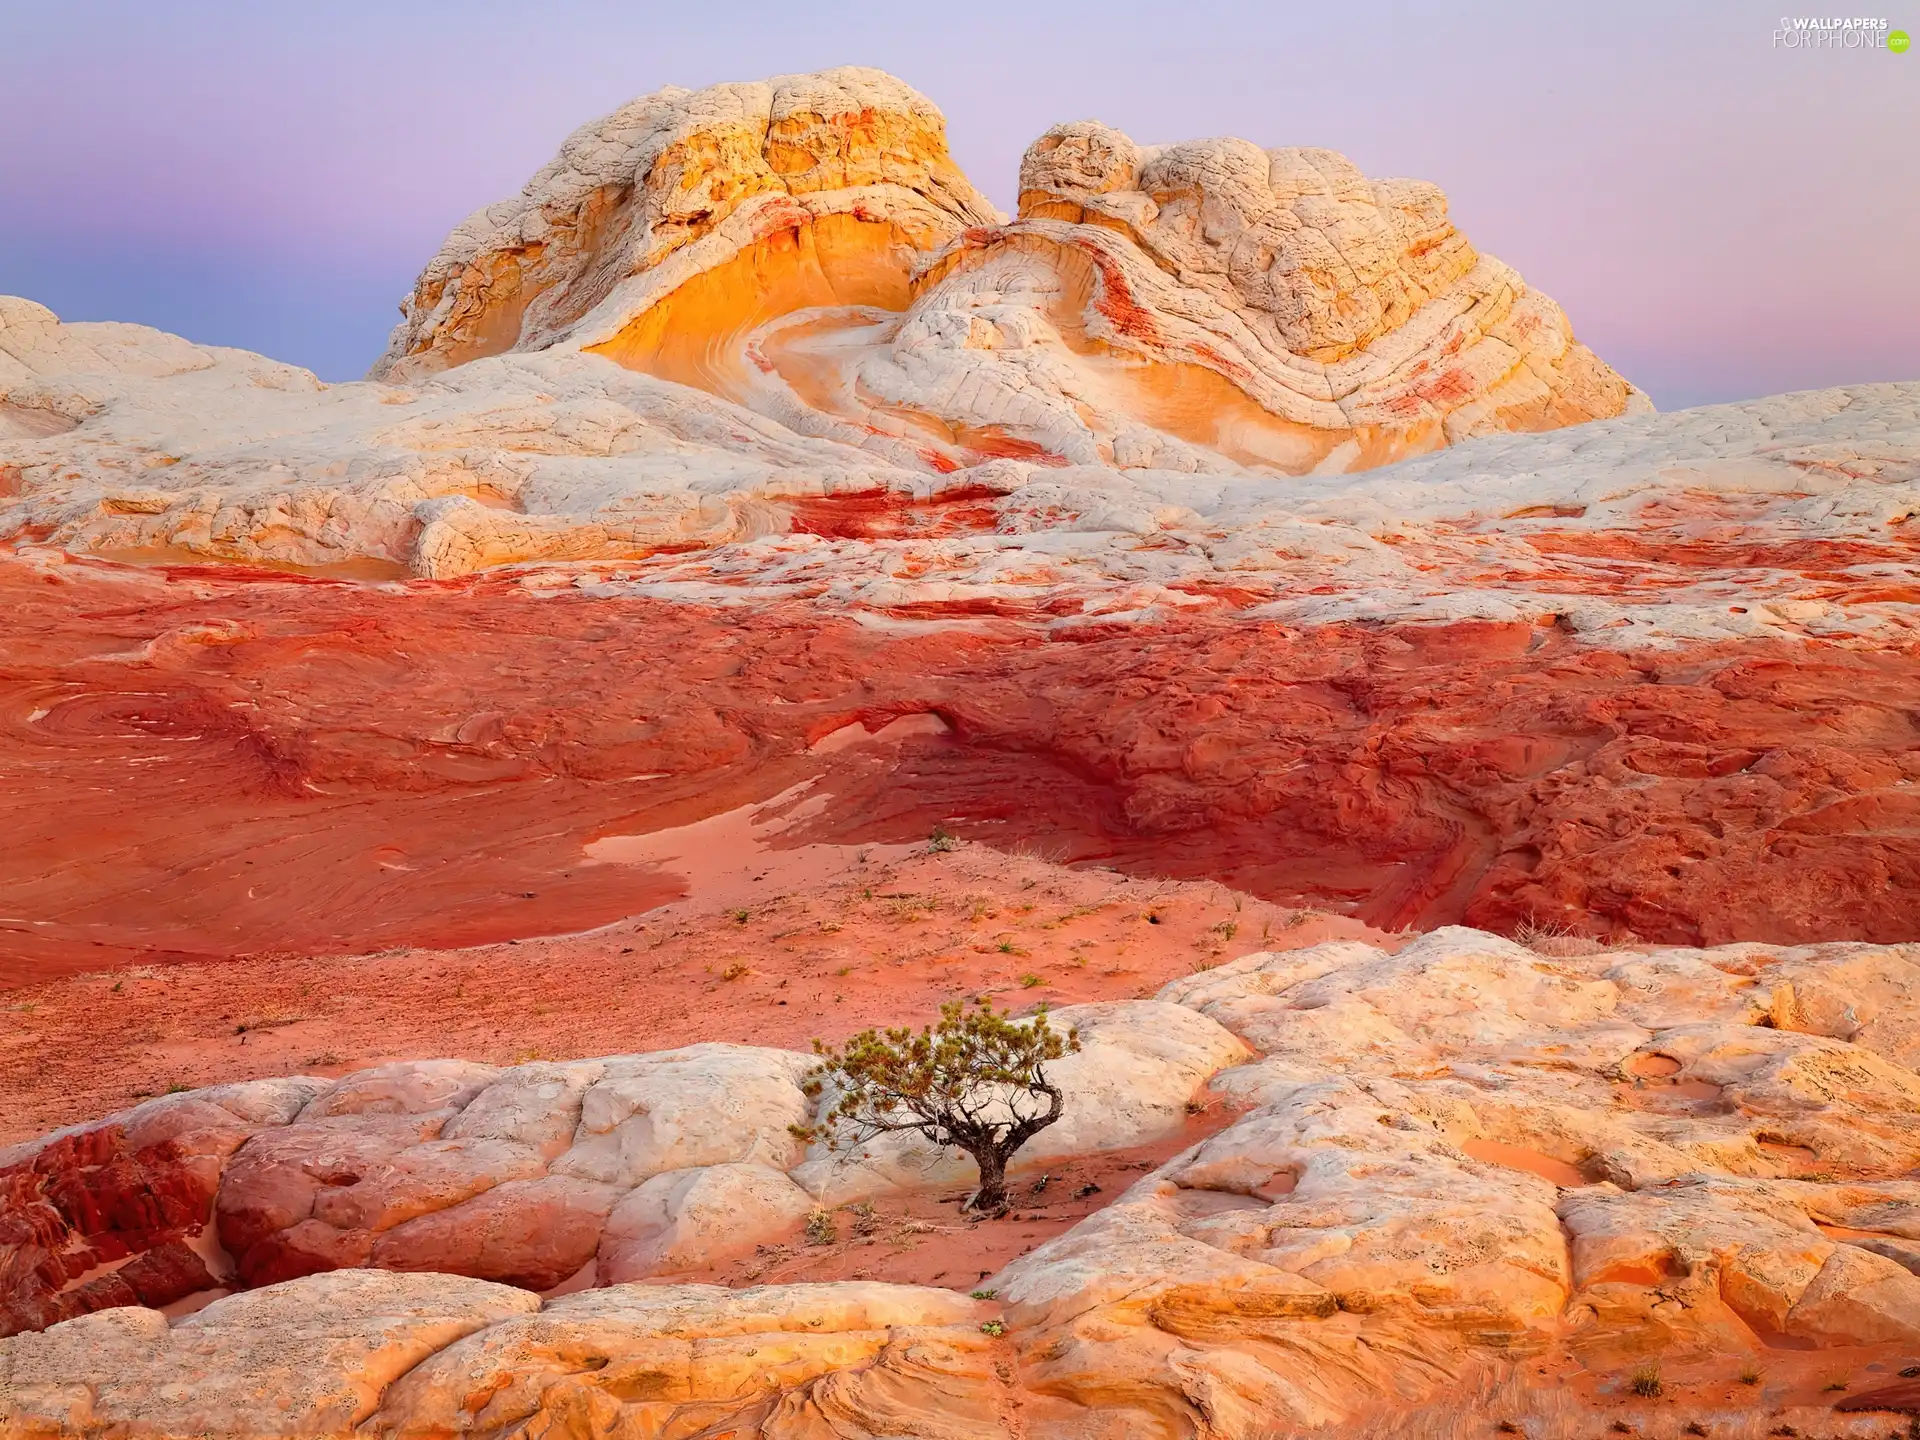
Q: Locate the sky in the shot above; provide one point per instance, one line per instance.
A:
(1720, 218)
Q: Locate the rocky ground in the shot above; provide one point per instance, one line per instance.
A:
(1367, 1177)
(782, 956)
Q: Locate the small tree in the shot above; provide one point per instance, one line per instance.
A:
(976, 1081)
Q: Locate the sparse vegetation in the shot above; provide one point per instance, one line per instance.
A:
(1029, 980)
(942, 840)
(995, 1328)
(735, 971)
(820, 1227)
(1646, 1382)
(985, 1294)
(975, 1080)
(1751, 1375)
(740, 916)
(1530, 932)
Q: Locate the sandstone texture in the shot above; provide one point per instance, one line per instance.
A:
(769, 310)
(531, 1175)
(1778, 517)
(1440, 1160)
(357, 782)
(748, 513)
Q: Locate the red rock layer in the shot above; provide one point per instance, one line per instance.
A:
(201, 765)
(94, 1198)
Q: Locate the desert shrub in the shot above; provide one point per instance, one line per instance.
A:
(975, 1080)
(820, 1227)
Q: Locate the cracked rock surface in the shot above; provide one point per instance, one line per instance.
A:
(1442, 1159)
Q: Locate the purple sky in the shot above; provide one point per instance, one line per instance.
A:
(1721, 219)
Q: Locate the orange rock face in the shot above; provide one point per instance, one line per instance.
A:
(218, 765)
(716, 210)
(806, 248)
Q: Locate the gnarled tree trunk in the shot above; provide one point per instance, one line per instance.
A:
(991, 1197)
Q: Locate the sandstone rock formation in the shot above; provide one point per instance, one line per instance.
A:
(1775, 517)
(768, 309)
(1621, 781)
(634, 1165)
(806, 248)
(749, 478)
(687, 218)
(1450, 1157)
(1660, 1152)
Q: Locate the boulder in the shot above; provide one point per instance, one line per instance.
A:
(690, 1219)
(310, 1357)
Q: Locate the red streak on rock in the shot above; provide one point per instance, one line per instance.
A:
(1450, 387)
(1211, 357)
(888, 512)
(1815, 557)
(987, 446)
(1116, 300)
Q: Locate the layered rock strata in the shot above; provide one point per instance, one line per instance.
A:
(325, 768)
(774, 308)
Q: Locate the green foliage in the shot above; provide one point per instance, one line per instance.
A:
(820, 1227)
(942, 840)
(975, 1080)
